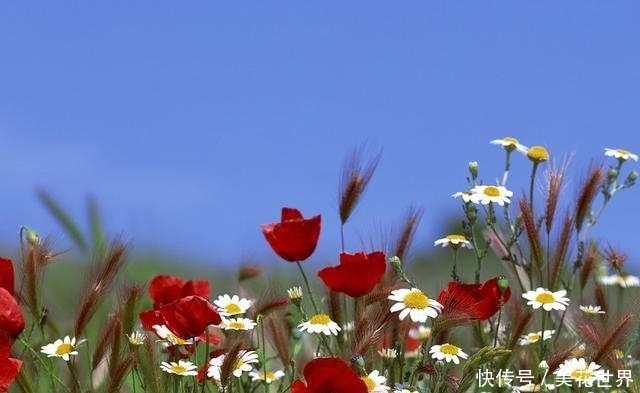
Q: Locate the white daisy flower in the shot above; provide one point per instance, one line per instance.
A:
(294, 293)
(375, 382)
(404, 390)
(388, 353)
(533, 388)
(267, 376)
(466, 196)
(136, 338)
(320, 323)
(491, 194)
(454, 241)
(420, 332)
(546, 299)
(228, 305)
(169, 338)
(510, 144)
(624, 281)
(414, 303)
(183, 367)
(448, 353)
(238, 324)
(592, 309)
(578, 369)
(243, 363)
(535, 337)
(620, 154)
(62, 348)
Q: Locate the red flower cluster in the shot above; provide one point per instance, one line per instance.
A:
(294, 238)
(329, 375)
(356, 275)
(11, 325)
(183, 307)
(474, 301)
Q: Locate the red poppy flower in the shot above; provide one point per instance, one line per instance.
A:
(474, 301)
(11, 319)
(356, 275)
(294, 238)
(6, 275)
(164, 289)
(9, 367)
(329, 375)
(186, 317)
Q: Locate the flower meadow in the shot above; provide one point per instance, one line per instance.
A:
(561, 315)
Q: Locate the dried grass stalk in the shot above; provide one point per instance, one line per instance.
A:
(354, 181)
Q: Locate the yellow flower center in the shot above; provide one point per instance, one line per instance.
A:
(510, 141)
(416, 299)
(533, 337)
(236, 325)
(545, 298)
(268, 376)
(178, 369)
(232, 308)
(320, 319)
(623, 153)
(458, 238)
(64, 349)
(492, 191)
(237, 363)
(369, 382)
(449, 349)
(538, 154)
(581, 374)
(175, 340)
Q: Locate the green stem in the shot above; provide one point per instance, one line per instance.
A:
(531, 184)
(542, 343)
(308, 287)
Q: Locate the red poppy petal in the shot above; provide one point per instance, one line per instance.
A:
(298, 387)
(293, 240)
(289, 213)
(332, 375)
(6, 275)
(197, 287)
(357, 273)
(164, 289)
(11, 319)
(9, 370)
(188, 317)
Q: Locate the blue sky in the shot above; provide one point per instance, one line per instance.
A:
(194, 124)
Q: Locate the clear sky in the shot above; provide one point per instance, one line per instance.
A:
(192, 123)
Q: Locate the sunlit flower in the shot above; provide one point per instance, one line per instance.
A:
(414, 303)
(620, 154)
(375, 382)
(537, 154)
(243, 363)
(466, 196)
(532, 388)
(294, 293)
(454, 241)
(183, 367)
(448, 353)
(136, 338)
(578, 369)
(320, 323)
(546, 299)
(235, 305)
(623, 280)
(267, 376)
(238, 324)
(491, 194)
(592, 309)
(61, 348)
(510, 144)
(535, 337)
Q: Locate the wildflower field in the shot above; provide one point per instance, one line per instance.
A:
(532, 303)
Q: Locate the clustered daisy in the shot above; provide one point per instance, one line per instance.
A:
(414, 303)
(581, 371)
(622, 280)
(510, 144)
(266, 376)
(620, 154)
(229, 306)
(375, 382)
(531, 338)
(242, 363)
(491, 194)
(592, 309)
(238, 324)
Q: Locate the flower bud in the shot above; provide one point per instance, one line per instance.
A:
(473, 169)
(32, 236)
(538, 154)
(503, 283)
